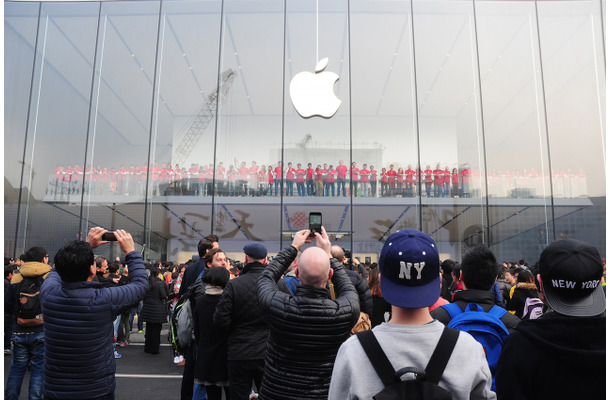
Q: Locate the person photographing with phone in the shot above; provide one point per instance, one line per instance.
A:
(78, 315)
(307, 329)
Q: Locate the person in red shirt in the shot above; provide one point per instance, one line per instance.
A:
(373, 180)
(290, 175)
(354, 172)
(428, 180)
(209, 180)
(466, 176)
(200, 181)
(300, 173)
(364, 181)
(439, 175)
(410, 181)
(319, 176)
(278, 175)
(455, 182)
(400, 182)
(341, 178)
(330, 182)
(311, 189)
(384, 182)
(446, 181)
(243, 173)
(391, 178)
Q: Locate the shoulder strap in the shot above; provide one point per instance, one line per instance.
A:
(452, 309)
(377, 357)
(201, 273)
(497, 312)
(440, 356)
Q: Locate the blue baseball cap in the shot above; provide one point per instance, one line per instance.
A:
(409, 266)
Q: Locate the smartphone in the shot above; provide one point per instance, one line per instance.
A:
(109, 236)
(315, 222)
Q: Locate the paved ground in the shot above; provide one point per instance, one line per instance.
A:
(139, 375)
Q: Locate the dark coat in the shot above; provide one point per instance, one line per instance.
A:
(554, 357)
(211, 365)
(306, 331)
(239, 314)
(78, 317)
(154, 308)
(523, 290)
(484, 298)
(190, 275)
(364, 292)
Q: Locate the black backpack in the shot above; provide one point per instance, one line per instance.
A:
(29, 311)
(425, 384)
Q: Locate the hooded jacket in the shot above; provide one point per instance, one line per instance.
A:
(554, 357)
(523, 290)
(28, 270)
(306, 331)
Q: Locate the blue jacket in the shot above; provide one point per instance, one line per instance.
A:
(79, 358)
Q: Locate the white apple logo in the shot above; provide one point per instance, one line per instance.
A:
(313, 94)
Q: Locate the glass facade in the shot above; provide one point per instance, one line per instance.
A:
(473, 121)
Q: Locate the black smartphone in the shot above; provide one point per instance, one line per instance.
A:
(315, 222)
(109, 236)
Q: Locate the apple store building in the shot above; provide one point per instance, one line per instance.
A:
(475, 121)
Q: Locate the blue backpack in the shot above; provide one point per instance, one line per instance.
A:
(485, 327)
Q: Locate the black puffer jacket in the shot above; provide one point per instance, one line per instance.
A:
(238, 311)
(154, 309)
(364, 292)
(306, 331)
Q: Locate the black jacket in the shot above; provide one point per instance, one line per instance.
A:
(484, 298)
(522, 291)
(238, 311)
(154, 308)
(306, 331)
(364, 292)
(554, 357)
(190, 275)
(211, 364)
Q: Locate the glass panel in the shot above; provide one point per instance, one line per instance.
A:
(249, 134)
(515, 129)
(20, 21)
(450, 134)
(317, 118)
(385, 126)
(57, 129)
(183, 129)
(121, 117)
(572, 44)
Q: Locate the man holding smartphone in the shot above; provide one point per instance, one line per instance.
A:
(307, 329)
(78, 315)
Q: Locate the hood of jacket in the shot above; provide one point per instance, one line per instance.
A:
(580, 341)
(29, 269)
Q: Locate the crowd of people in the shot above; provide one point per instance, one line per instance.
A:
(300, 180)
(313, 323)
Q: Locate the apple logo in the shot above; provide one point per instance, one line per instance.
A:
(313, 93)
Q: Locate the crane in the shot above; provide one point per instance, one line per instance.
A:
(201, 120)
